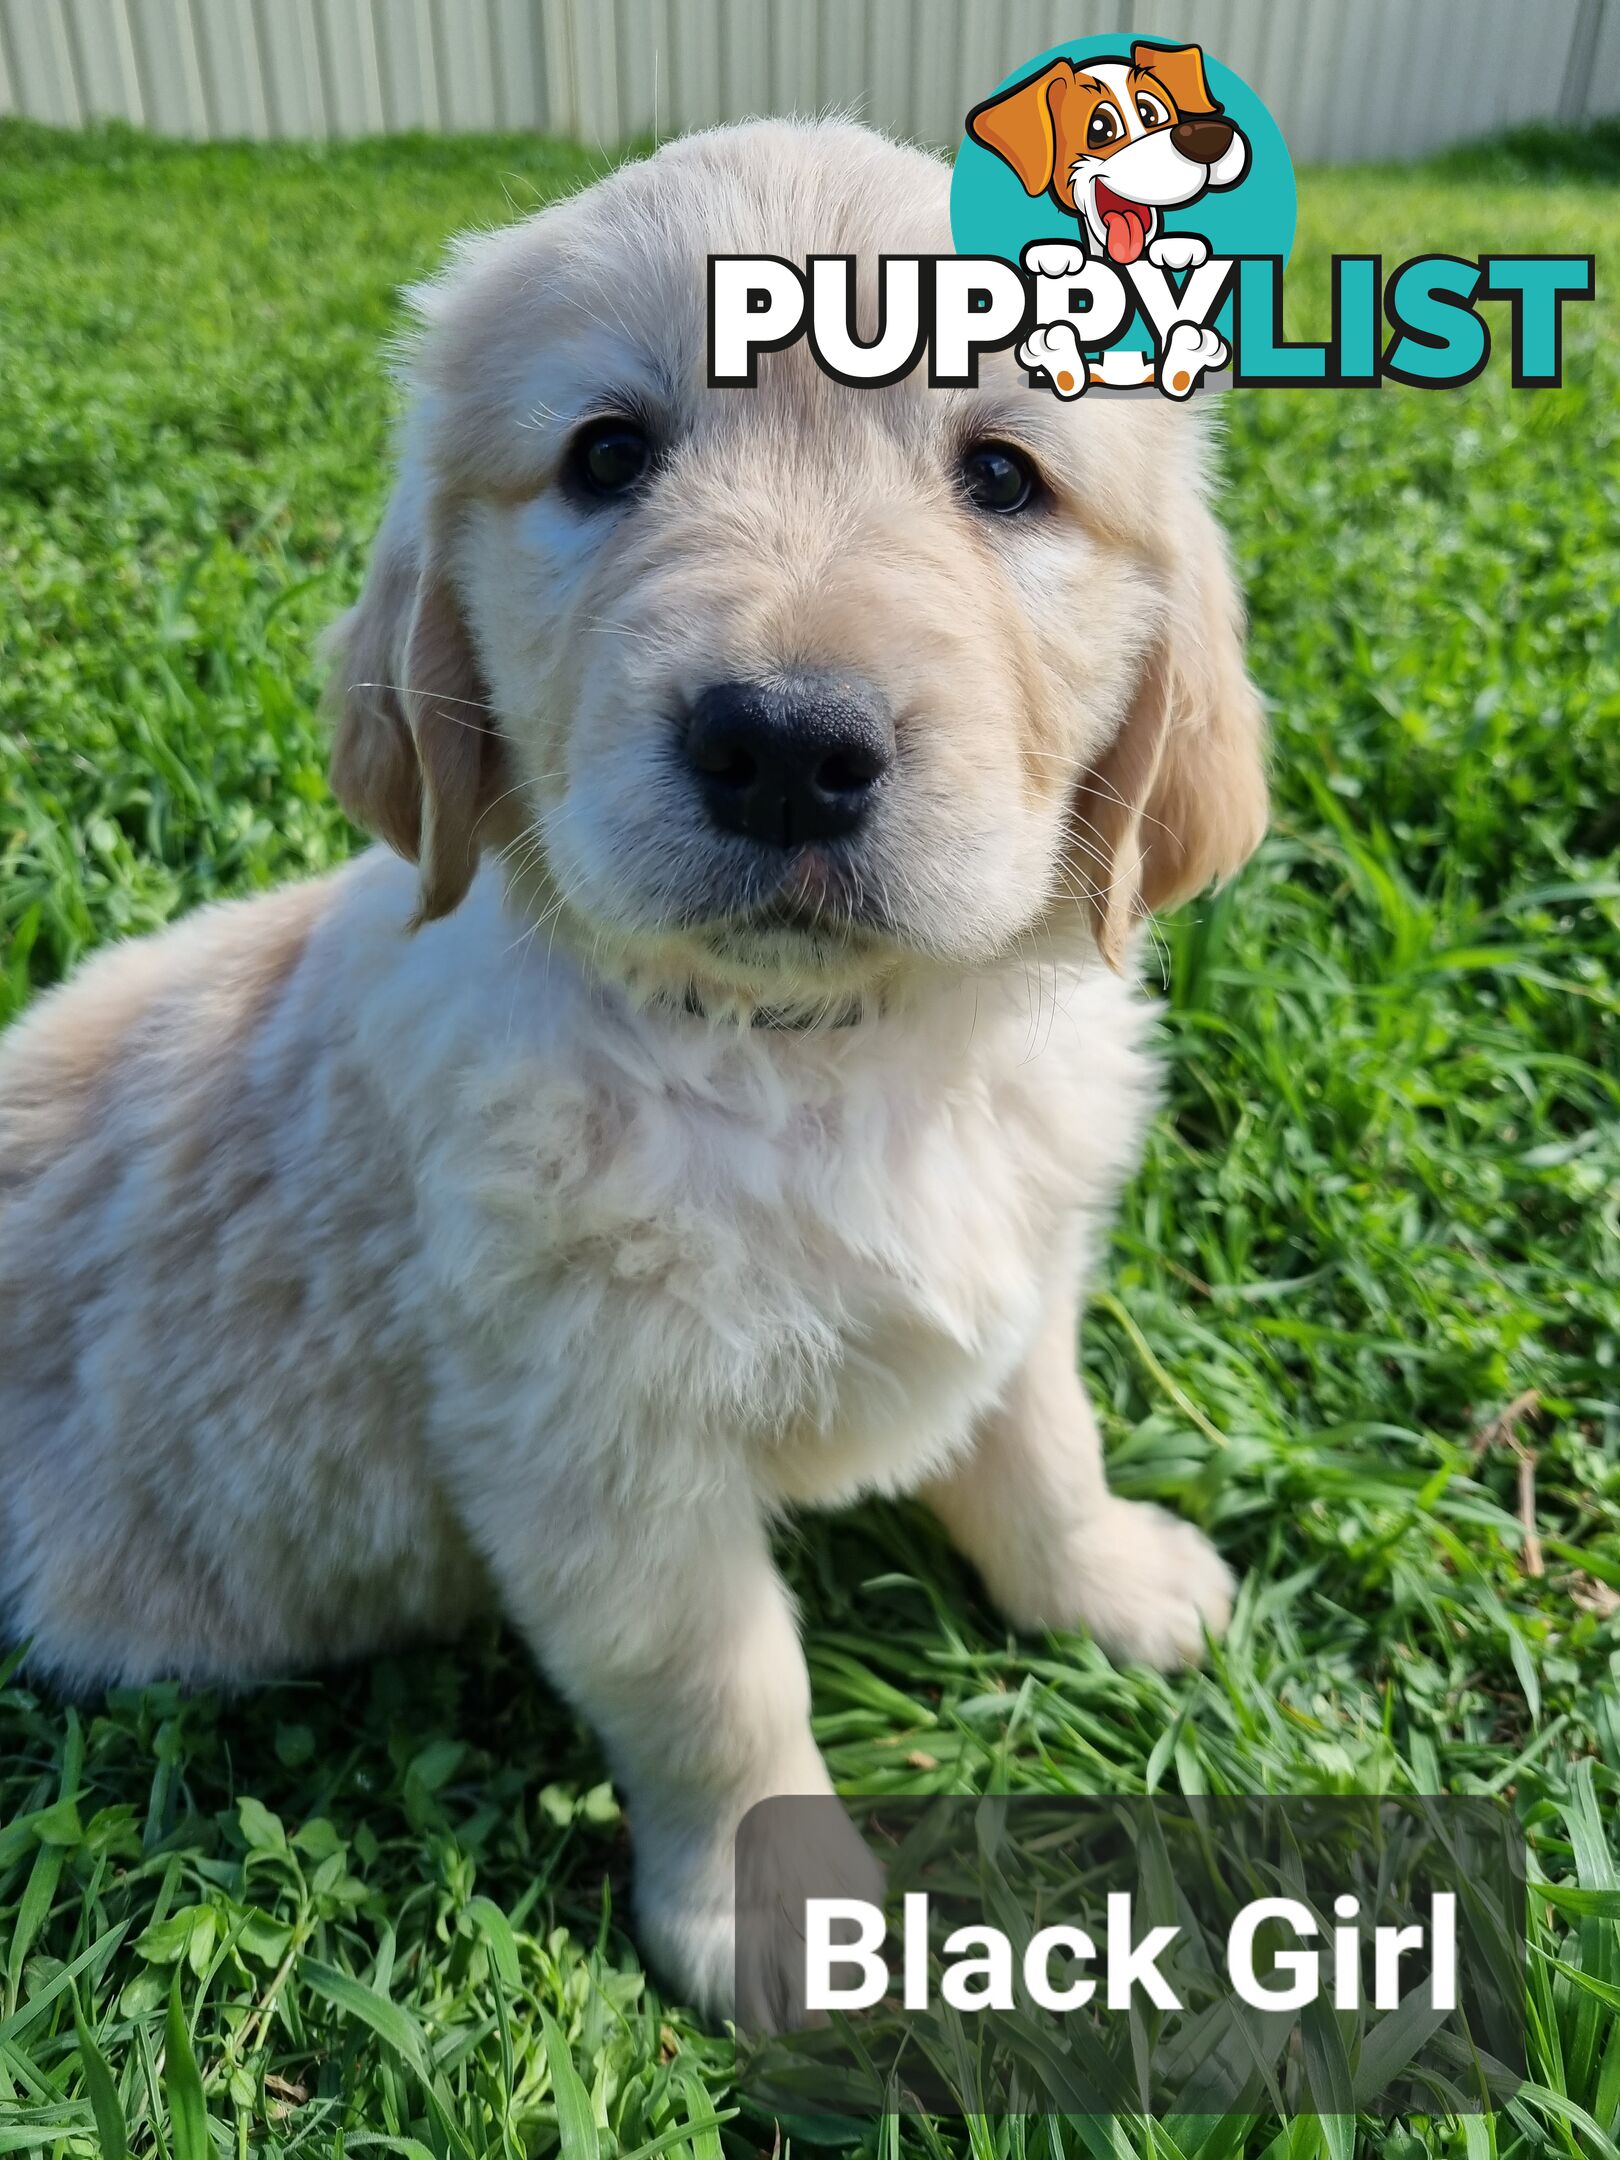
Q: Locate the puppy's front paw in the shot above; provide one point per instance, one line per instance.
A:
(729, 1934)
(1178, 251)
(1053, 258)
(1143, 1582)
(791, 1850)
(689, 1937)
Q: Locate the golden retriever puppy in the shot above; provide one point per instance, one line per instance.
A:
(711, 1100)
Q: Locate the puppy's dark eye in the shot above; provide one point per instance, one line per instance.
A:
(609, 457)
(1150, 111)
(1104, 127)
(999, 478)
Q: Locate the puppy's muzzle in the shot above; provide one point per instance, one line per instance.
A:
(1205, 141)
(792, 760)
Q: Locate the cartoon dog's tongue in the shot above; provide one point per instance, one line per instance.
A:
(1125, 223)
(1127, 233)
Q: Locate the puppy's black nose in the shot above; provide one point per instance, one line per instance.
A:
(790, 760)
(1203, 140)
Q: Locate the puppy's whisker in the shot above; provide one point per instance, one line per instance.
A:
(1110, 793)
(517, 788)
(440, 697)
(1078, 823)
(602, 627)
(1091, 782)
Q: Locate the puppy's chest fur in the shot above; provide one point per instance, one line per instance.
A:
(406, 1252)
(824, 1258)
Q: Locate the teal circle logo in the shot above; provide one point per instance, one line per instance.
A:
(1132, 149)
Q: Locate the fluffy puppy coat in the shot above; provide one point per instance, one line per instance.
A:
(429, 1236)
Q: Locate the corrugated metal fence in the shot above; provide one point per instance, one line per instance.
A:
(1347, 78)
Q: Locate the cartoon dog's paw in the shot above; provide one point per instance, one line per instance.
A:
(1178, 251)
(1055, 351)
(1054, 258)
(1189, 352)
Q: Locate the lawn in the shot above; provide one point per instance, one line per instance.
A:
(1361, 1320)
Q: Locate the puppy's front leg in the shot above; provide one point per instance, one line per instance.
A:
(671, 1631)
(1031, 1509)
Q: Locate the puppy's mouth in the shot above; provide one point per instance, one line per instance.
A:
(1127, 226)
(816, 907)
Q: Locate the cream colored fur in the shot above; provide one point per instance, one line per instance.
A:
(407, 1242)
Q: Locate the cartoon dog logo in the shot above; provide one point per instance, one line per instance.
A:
(1116, 143)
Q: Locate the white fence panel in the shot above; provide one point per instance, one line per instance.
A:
(99, 36)
(164, 37)
(1601, 79)
(641, 29)
(232, 71)
(408, 67)
(290, 56)
(39, 62)
(350, 67)
(1347, 79)
(695, 96)
(843, 76)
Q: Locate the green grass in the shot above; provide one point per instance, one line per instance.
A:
(389, 1902)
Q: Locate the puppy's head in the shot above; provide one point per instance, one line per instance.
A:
(1117, 141)
(775, 695)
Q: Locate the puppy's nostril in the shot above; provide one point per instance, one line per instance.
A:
(848, 772)
(724, 764)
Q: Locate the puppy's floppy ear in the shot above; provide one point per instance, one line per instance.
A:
(416, 756)
(1179, 795)
(1022, 125)
(1180, 69)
